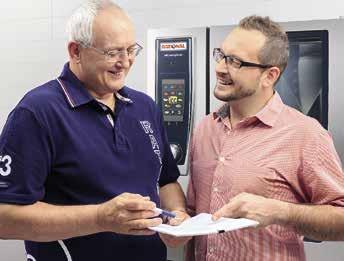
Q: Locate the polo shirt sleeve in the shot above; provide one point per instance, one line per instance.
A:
(25, 158)
(169, 171)
(322, 173)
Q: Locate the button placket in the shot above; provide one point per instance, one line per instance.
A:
(211, 245)
(211, 250)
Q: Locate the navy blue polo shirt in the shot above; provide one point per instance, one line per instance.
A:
(60, 146)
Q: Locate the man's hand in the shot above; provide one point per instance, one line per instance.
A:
(264, 210)
(172, 241)
(128, 214)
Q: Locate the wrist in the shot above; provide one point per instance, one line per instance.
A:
(99, 218)
(183, 210)
(284, 213)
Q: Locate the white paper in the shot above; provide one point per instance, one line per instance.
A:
(203, 225)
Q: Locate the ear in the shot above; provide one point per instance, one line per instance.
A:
(74, 51)
(271, 76)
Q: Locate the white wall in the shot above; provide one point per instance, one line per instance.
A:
(33, 49)
(33, 40)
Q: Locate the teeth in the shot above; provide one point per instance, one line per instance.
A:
(225, 82)
(115, 73)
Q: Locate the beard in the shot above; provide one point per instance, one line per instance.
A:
(232, 93)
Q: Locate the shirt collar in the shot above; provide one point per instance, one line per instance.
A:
(75, 92)
(271, 111)
(268, 115)
(222, 112)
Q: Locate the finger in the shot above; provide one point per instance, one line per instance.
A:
(230, 210)
(141, 232)
(144, 223)
(130, 195)
(259, 226)
(175, 221)
(141, 214)
(178, 220)
(138, 204)
(127, 195)
(248, 229)
(123, 215)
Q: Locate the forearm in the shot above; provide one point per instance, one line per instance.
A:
(318, 222)
(172, 197)
(45, 222)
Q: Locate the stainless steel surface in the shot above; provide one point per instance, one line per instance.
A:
(199, 73)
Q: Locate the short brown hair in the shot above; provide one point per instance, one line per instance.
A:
(276, 48)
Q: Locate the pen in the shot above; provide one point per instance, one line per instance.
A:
(163, 212)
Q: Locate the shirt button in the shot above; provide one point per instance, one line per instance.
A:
(211, 250)
(222, 159)
(215, 189)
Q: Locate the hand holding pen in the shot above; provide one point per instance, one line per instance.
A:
(179, 217)
(164, 213)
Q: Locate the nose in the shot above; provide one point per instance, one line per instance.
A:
(124, 60)
(221, 67)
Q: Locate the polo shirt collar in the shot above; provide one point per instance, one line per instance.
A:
(268, 115)
(77, 95)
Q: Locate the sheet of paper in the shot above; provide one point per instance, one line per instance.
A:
(203, 225)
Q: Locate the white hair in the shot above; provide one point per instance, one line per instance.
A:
(80, 24)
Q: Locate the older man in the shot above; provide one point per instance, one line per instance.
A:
(258, 158)
(84, 158)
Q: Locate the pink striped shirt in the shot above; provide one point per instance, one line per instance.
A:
(278, 153)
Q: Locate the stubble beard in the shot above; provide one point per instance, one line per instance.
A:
(235, 94)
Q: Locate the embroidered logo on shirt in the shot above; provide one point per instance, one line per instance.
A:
(5, 165)
(146, 125)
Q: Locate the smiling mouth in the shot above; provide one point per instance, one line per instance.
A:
(225, 82)
(116, 74)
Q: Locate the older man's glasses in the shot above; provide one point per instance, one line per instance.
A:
(114, 55)
(235, 62)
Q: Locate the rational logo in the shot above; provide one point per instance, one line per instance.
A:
(173, 46)
(5, 165)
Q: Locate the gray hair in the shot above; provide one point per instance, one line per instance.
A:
(276, 48)
(80, 24)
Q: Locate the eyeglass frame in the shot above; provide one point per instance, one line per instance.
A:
(242, 63)
(107, 53)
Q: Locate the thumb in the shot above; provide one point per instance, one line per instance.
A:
(229, 210)
(220, 213)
